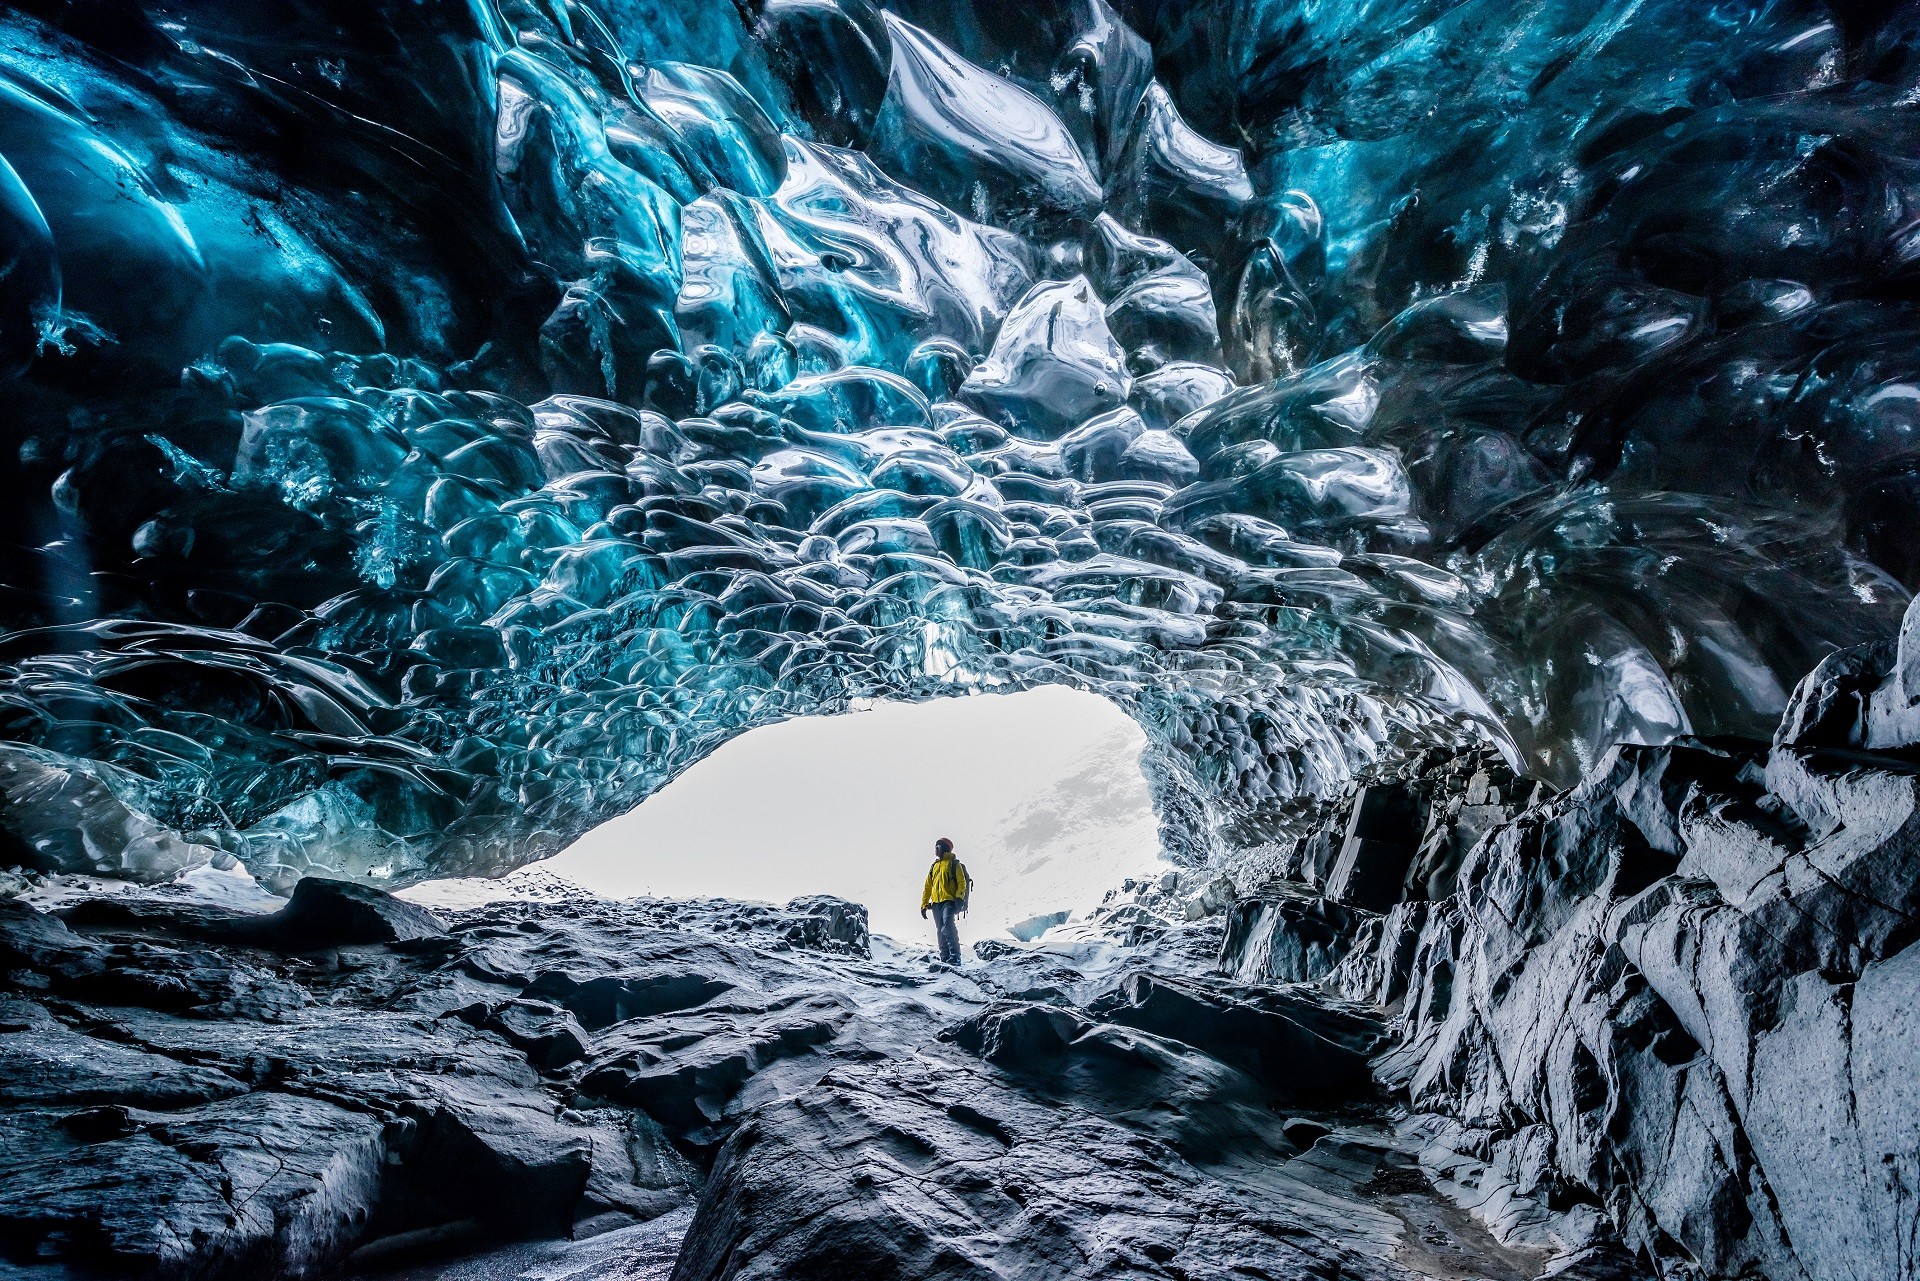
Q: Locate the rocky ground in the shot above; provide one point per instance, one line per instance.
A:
(1659, 1025)
(354, 1086)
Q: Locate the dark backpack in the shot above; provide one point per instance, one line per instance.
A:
(966, 885)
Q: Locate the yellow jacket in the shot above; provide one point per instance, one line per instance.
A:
(947, 880)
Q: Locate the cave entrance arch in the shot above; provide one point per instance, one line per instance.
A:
(1042, 790)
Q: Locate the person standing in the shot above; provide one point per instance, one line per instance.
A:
(948, 886)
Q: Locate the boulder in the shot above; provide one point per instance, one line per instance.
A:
(260, 1184)
(1382, 838)
(1297, 1041)
(329, 913)
(827, 923)
(1866, 696)
(1281, 936)
(921, 1168)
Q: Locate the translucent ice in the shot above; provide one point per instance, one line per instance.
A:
(1055, 363)
(430, 433)
(974, 140)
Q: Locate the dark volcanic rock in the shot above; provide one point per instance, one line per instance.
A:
(686, 1071)
(1284, 936)
(1867, 696)
(181, 1099)
(1298, 1041)
(328, 913)
(1209, 1111)
(44, 1062)
(548, 1035)
(1661, 1024)
(604, 1000)
(924, 1168)
(1667, 997)
(191, 1092)
(1380, 845)
(823, 921)
(262, 1184)
(322, 913)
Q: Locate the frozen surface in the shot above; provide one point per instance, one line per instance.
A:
(433, 428)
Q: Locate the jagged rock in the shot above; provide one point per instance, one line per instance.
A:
(261, 1184)
(1206, 1110)
(329, 913)
(1295, 1040)
(1020, 974)
(687, 1071)
(546, 1069)
(1866, 696)
(472, 1151)
(1672, 1003)
(176, 1105)
(321, 913)
(1371, 869)
(44, 955)
(1217, 897)
(991, 949)
(604, 1000)
(1673, 968)
(1286, 937)
(1829, 706)
(1370, 874)
(548, 1035)
(922, 1167)
(1020, 1035)
(1457, 818)
(44, 1063)
(1441, 803)
(825, 921)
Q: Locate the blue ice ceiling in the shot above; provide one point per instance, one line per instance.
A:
(431, 426)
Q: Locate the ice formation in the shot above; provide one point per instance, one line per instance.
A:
(433, 426)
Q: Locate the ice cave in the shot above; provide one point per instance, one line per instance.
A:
(1468, 451)
(1041, 789)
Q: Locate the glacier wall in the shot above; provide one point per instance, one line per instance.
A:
(431, 426)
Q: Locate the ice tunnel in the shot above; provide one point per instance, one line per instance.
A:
(431, 427)
(1041, 790)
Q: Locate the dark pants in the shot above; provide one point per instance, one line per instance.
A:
(944, 915)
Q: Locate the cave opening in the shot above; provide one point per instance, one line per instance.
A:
(1041, 789)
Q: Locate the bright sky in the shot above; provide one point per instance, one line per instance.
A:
(851, 805)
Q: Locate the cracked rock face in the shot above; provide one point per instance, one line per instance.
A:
(916, 1169)
(1672, 995)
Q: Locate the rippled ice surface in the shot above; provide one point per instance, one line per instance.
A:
(432, 428)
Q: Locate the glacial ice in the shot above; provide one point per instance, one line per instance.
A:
(432, 428)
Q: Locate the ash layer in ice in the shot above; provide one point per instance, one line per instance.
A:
(433, 425)
(1656, 1026)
